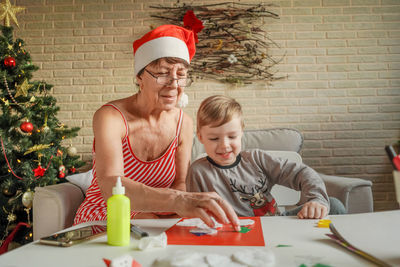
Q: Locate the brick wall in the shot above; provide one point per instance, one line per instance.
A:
(342, 61)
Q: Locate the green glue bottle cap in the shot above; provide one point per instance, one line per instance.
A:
(118, 189)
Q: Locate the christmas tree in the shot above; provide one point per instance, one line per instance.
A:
(33, 152)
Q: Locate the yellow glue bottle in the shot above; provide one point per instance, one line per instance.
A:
(118, 217)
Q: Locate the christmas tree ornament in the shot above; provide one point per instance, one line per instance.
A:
(27, 199)
(8, 89)
(72, 151)
(26, 127)
(11, 217)
(39, 171)
(72, 170)
(9, 11)
(23, 88)
(45, 128)
(9, 191)
(7, 188)
(9, 62)
(37, 148)
(61, 170)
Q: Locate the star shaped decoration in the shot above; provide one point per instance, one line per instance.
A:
(39, 171)
(23, 88)
(9, 11)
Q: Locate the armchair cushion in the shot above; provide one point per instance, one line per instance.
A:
(267, 139)
(82, 180)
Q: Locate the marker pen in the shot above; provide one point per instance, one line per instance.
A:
(137, 232)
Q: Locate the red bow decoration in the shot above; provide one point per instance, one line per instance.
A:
(191, 22)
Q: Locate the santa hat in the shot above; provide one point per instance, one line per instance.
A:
(163, 41)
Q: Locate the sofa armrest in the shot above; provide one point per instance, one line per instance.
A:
(54, 208)
(355, 193)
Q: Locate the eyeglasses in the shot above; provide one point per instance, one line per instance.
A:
(167, 80)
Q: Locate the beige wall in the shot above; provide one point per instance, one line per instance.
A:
(342, 58)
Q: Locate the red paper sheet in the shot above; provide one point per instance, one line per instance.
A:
(226, 236)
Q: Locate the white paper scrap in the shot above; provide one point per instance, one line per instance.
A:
(245, 222)
(159, 241)
(122, 261)
(184, 258)
(255, 257)
(197, 222)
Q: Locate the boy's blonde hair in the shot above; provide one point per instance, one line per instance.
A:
(217, 110)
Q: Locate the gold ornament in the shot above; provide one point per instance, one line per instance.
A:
(72, 151)
(23, 88)
(45, 129)
(11, 217)
(27, 199)
(9, 11)
(36, 148)
(6, 102)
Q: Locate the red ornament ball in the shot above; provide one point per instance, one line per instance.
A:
(61, 175)
(72, 170)
(26, 127)
(9, 62)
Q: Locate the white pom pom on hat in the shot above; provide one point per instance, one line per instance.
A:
(164, 41)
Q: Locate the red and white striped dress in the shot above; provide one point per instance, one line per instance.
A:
(158, 173)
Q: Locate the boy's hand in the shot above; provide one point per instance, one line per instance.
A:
(313, 210)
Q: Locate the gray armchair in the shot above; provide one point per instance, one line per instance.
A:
(54, 206)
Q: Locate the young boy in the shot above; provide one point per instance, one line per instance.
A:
(245, 178)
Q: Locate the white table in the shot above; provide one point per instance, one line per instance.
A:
(309, 245)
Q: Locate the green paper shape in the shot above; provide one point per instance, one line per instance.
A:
(244, 230)
(321, 265)
(283, 246)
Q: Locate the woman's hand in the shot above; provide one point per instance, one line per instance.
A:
(313, 210)
(205, 206)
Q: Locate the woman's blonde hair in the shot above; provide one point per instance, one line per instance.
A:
(217, 110)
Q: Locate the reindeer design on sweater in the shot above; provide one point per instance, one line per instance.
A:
(261, 203)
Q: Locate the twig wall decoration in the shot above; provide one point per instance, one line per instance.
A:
(232, 46)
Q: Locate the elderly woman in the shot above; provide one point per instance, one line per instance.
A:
(147, 140)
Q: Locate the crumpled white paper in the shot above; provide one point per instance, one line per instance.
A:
(254, 257)
(159, 241)
(243, 258)
(122, 261)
